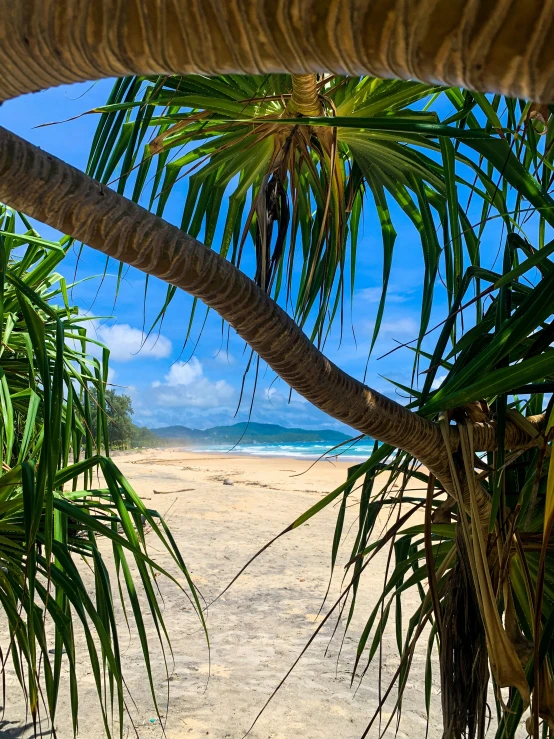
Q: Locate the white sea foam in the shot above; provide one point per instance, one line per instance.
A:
(302, 450)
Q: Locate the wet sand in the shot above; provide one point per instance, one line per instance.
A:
(260, 626)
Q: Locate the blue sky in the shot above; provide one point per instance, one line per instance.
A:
(172, 386)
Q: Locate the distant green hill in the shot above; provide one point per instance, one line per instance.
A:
(256, 433)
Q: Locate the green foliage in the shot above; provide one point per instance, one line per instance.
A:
(143, 437)
(294, 188)
(496, 368)
(493, 350)
(52, 394)
(122, 432)
(119, 409)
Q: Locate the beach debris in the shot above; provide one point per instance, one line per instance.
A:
(171, 492)
(149, 460)
(227, 481)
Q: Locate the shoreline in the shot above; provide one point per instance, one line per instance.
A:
(158, 456)
(338, 458)
(221, 510)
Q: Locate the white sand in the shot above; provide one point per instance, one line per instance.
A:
(260, 626)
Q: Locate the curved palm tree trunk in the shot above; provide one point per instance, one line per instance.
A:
(489, 45)
(49, 42)
(46, 188)
(55, 193)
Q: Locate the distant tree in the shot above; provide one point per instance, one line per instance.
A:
(119, 408)
(122, 432)
(142, 436)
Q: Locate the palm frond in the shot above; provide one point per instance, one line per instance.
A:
(51, 516)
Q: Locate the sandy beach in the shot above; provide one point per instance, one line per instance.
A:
(259, 627)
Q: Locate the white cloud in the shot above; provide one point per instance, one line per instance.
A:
(224, 357)
(127, 343)
(269, 393)
(437, 382)
(395, 327)
(185, 386)
(184, 373)
(280, 397)
(204, 402)
(400, 327)
(373, 295)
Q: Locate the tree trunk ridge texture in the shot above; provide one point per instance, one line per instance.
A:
(55, 193)
(500, 46)
(46, 188)
(478, 43)
(305, 96)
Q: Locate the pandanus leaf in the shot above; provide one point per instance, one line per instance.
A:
(504, 661)
(51, 391)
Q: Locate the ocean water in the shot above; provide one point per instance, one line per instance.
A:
(302, 450)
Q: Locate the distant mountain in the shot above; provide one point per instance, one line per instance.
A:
(256, 433)
(174, 432)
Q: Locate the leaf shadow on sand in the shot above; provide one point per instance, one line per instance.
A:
(15, 730)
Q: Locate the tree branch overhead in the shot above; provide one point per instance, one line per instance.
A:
(487, 45)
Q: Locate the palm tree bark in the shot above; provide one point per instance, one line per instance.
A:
(305, 98)
(55, 193)
(489, 45)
